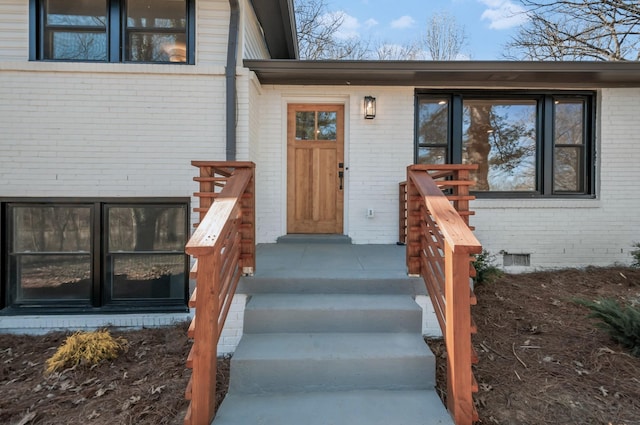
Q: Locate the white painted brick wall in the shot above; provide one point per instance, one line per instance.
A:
(39, 325)
(232, 331)
(254, 44)
(14, 30)
(106, 134)
(212, 31)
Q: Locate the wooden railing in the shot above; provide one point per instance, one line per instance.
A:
(223, 245)
(440, 245)
(454, 183)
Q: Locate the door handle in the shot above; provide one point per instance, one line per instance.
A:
(341, 177)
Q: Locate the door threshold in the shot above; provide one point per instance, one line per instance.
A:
(314, 238)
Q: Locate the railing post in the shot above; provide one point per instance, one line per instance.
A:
(413, 227)
(458, 336)
(248, 228)
(402, 213)
(205, 342)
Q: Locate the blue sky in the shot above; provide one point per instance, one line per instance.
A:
(489, 24)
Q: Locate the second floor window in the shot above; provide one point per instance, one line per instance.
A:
(149, 31)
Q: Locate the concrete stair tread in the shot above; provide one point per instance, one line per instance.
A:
(371, 407)
(313, 313)
(282, 346)
(332, 302)
(316, 285)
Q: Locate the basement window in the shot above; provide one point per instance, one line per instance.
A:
(94, 255)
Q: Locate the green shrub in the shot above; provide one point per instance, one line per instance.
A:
(636, 255)
(486, 270)
(621, 323)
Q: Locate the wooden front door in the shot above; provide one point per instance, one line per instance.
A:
(315, 168)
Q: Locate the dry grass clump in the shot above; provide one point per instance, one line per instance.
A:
(88, 348)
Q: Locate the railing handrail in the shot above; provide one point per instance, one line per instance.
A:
(439, 247)
(205, 238)
(223, 245)
(452, 226)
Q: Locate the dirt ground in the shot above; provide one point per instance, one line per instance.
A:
(541, 362)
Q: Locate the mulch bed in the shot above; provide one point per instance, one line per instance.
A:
(542, 361)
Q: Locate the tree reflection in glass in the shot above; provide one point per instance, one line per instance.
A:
(500, 137)
(433, 131)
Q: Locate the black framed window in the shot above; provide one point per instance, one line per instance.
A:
(50, 253)
(144, 253)
(524, 143)
(150, 31)
(94, 254)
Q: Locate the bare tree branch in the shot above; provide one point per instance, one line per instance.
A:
(317, 33)
(601, 30)
(444, 38)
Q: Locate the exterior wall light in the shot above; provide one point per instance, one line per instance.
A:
(369, 107)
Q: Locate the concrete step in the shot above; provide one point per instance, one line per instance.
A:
(304, 362)
(313, 313)
(314, 239)
(335, 408)
(275, 285)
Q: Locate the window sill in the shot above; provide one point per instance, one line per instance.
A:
(534, 203)
(112, 68)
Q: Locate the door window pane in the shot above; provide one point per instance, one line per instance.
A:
(305, 125)
(500, 136)
(76, 30)
(327, 122)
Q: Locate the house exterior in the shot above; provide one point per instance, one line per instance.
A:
(105, 104)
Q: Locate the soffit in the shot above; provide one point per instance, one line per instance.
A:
(278, 24)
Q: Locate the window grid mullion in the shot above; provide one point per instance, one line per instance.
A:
(114, 37)
(455, 137)
(546, 145)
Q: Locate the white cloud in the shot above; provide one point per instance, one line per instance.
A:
(503, 14)
(350, 25)
(370, 23)
(403, 22)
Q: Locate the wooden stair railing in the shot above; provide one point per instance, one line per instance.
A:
(454, 180)
(223, 245)
(440, 245)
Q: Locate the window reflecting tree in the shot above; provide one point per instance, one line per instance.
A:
(500, 137)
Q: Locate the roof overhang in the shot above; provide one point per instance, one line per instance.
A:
(278, 24)
(441, 74)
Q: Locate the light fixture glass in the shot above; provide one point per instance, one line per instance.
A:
(369, 107)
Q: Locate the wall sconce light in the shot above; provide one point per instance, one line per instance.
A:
(369, 107)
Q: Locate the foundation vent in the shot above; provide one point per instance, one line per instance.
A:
(516, 260)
